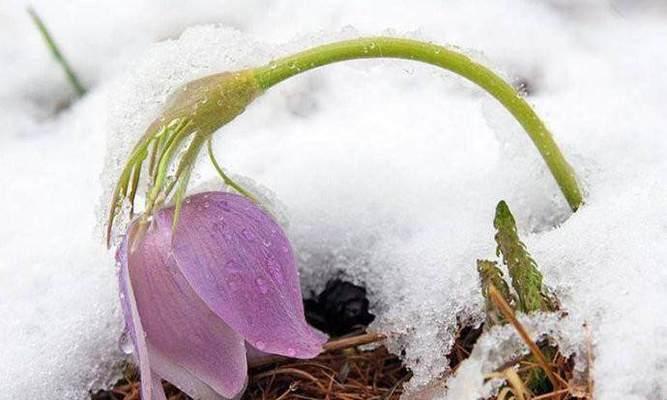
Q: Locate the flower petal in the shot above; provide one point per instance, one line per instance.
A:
(177, 323)
(180, 377)
(158, 390)
(240, 262)
(133, 323)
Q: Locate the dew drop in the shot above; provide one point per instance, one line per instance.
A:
(260, 345)
(276, 271)
(291, 352)
(266, 242)
(248, 234)
(233, 285)
(125, 343)
(262, 285)
(233, 266)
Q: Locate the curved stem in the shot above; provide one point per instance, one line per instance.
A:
(386, 47)
(228, 181)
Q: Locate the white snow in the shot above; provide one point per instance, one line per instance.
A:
(389, 171)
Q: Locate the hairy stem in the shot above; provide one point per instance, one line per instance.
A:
(387, 47)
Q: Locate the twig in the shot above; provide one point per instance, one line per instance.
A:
(552, 394)
(333, 345)
(507, 312)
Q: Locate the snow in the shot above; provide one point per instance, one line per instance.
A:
(388, 171)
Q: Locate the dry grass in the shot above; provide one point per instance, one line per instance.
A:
(548, 377)
(344, 372)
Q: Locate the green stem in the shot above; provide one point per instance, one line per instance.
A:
(228, 181)
(386, 47)
(53, 47)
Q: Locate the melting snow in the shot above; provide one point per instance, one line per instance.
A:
(388, 171)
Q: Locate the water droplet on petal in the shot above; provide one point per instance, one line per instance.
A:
(125, 343)
(260, 345)
(291, 352)
(262, 285)
(233, 266)
(248, 234)
(276, 271)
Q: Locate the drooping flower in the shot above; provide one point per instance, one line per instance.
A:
(198, 299)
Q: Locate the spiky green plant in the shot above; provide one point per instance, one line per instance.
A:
(490, 275)
(526, 277)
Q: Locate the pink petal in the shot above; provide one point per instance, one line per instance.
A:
(177, 323)
(133, 323)
(240, 262)
(158, 390)
(181, 378)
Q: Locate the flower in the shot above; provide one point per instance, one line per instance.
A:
(198, 300)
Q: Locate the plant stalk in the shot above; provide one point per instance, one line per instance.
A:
(57, 54)
(449, 59)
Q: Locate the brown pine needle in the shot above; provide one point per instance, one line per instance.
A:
(354, 341)
(551, 395)
(508, 313)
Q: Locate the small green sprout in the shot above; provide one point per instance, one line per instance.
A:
(57, 54)
(526, 278)
(531, 296)
(490, 275)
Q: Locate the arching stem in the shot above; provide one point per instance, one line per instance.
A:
(228, 181)
(386, 47)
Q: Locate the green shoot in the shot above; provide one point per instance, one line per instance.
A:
(526, 278)
(57, 54)
(491, 275)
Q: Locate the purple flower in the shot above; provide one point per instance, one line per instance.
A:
(197, 301)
